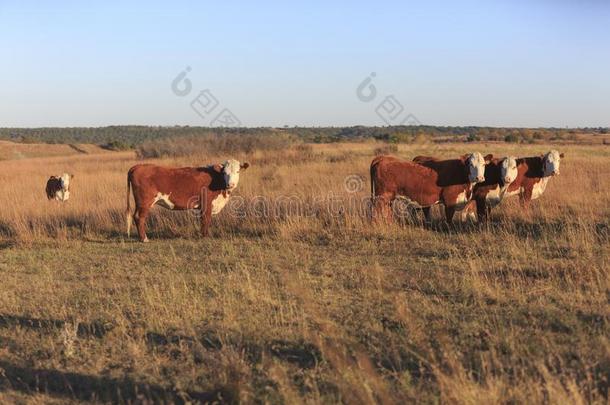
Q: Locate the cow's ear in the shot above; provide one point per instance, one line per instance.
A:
(464, 158)
(561, 155)
(244, 166)
(488, 158)
(218, 168)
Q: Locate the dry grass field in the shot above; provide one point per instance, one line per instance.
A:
(296, 298)
(16, 151)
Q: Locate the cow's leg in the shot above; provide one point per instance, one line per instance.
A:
(525, 197)
(383, 207)
(427, 216)
(376, 208)
(205, 208)
(206, 219)
(388, 212)
(468, 212)
(140, 216)
(482, 209)
(449, 211)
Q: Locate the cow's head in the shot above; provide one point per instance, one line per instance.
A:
(508, 170)
(550, 163)
(65, 181)
(475, 163)
(230, 170)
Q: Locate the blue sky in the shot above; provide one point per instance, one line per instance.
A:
(497, 63)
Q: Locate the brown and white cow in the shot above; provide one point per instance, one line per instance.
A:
(499, 174)
(533, 175)
(425, 184)
(204, 188)
(58, 187)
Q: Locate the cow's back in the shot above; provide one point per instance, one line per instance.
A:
(182, 185)
(414, 181)
(450, 172)
(529, 172)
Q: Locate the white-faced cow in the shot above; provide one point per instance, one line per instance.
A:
(499, 175)
(204, 188)
(58, 187)
(533, 175)
(424, 184)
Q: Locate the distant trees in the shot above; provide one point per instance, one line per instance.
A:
(131, 136)
(473, 138)
(511, 138)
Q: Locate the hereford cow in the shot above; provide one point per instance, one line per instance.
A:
(533, 175)
(204, 188)
(499, 174)
(425, 184)
(58, 187)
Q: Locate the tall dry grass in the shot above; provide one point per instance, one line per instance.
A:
(296, 297)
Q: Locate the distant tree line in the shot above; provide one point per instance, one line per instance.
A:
(132, 136)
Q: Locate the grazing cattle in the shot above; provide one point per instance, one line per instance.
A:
(205, 188)
(499, 174)
(533, 175)
(425, 184)
(58, 187)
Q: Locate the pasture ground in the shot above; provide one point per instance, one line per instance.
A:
(295, 297)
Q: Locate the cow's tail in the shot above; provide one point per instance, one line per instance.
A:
(373, 172)
(128, 213)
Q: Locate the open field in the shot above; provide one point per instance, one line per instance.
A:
(15, 151)
(296, 297)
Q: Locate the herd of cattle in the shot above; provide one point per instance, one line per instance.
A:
(473, 180)
(459, 184)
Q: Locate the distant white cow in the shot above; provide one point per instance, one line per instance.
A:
(58, 187)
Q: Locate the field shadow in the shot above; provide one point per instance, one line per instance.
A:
(86, 387)
(77, 149)
(6, 230)
(523, 228)
(97, 329)
(7, 244)
(189, 233)
(439, 225)
(300, 353)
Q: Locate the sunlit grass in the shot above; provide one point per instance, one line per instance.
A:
(307, 302)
